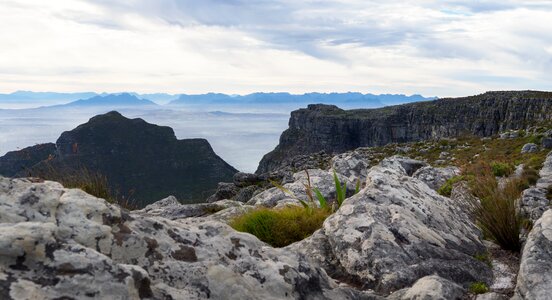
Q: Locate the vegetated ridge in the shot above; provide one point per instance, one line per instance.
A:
(331, 129)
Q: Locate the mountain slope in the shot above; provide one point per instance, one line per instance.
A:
(328, 128)
(140, 159)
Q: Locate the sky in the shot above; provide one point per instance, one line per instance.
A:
(434, 48)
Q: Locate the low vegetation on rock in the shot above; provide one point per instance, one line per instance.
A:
(283, 226)
(280, 227)
(479, 288)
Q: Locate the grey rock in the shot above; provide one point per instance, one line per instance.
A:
(530, 148)
(353, 165)
(246, 193)
(64, 243)
(225, 190)
(171, 209)
(408, 165)
(396, 231)
(547, 143)
(321, 179)
(242, 179)
(533, 203)
(534, 280)
(436, 177)
(430, 288)
(509, 135)
(492, 296)
(444, 155)
(545, 173)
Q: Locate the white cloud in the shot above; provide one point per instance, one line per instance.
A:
(431, 47)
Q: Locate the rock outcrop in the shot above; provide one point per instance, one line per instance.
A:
(534, 200)
(535, 279)
(328, 128)
(58, 243)
(138, 158)
(396, 231)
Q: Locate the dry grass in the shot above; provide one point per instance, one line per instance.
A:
(93, 183)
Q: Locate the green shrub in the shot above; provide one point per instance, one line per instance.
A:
(479, 288)
(281, 227)
(496, 211)
(446, 188)
(502, 169)
(535, 139)
(484, 257)
(549, 193)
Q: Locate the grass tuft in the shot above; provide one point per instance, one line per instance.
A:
(495, 210)
(446, 188)
(479, 288)
(91, 182)
(281, 227)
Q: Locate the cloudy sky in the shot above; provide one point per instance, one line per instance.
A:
(435, 48)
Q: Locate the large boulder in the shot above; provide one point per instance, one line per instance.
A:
(321, 179)
(353, 164)
(530, 148)
(534, 280)
(58, 243)
(436, 177)
(396, 231)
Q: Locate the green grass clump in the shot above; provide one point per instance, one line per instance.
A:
(496, 211)
(549, 193)
(446, 188)
(502, 169)
(281, 227)
(479, 288)
(484, 257)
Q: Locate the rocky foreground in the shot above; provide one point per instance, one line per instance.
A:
(395, 239)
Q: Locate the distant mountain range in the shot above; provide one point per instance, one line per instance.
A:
(119, 100)
(369, 100)
(135, 99)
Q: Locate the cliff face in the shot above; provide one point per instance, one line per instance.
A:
(139, 159)
(328, 128)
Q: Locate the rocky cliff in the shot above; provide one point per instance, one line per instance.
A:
(138, 158)
(328, 128)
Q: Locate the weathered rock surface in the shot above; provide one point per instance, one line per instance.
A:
(534, 201)
(321, 179)
(63, 243)
(534, 280)
(436, 177)
(328, 128)
(530, 148)
(396, 231)
(353, 165)
(431, 288)
(546, 143)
